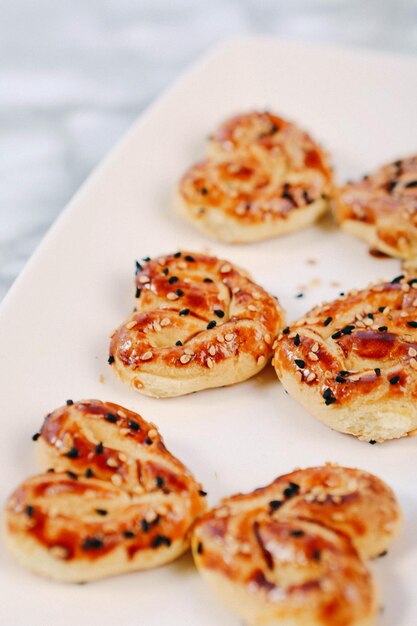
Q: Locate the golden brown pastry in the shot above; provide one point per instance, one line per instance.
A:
(112, 498)
(263, 177)
(292, 553)
(352, 362)
(200, 322)
(381, 208)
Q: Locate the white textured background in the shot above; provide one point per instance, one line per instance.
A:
(75, 73)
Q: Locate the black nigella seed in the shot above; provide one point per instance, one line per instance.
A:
(297, 533)
(189, 258)
(133, 425)
(381, 309)
(397, 279)
(274, 505)
(207, 280)
(173, 279)
(89, 473)
(412, 183)
(413, 281)
(219, 313)
(110, 360)
(92, 543)
(340, 379)
(179, 292)
(299, 295)
(160, 540)
(300, 363)
(199, 548)
(29, 510)
(138, 266)
(327, 321)
(160, 482)
(51, 470)
(184, 312)
(128, 534)
(286, 330)
(384, 553)
(412, 324)
(327, 393)
(211, 324)
(343, 373)
(372, 442)
(371, 316)
(202, 492)
(394, 380)
(110, 417)
(144, 526)
(69, 402)
(342, 293)
(148, 441)
(137, 292)
(336, 335)
(329, 401)
(204, 191)
(297, 340)
(72, 454)
(177, 255)
(178, 343)
(101, 512)
(36, 436)
(347, 330)
(383, 329)
(377, 371)
(99, 448)
(291, 490)
(165, 271)
(146, 259)
(72, 475)
(316, 555)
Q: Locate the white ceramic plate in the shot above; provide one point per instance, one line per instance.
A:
(55, 322)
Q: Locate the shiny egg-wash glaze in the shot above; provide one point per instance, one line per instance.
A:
(200, 322)
(112, 498)
(352, 363)
(382, 209)
(263, 177)
(292, 553)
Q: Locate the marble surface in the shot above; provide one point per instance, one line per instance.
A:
(74, 74)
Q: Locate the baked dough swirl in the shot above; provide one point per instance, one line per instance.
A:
(112, 498)
(263, 177)
(352, 363)
(200, 322)
(382, 209)
(292, 553)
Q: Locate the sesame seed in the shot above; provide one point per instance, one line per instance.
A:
(211, 324)
(252, 307)
(131, 324)
(144, 279)
(111, 462)
(261, 360)
(182, 265)
(311, 377)
(212, 350)
(185, 358)
(229, 337)
(172, 296)
(225, 269)
(59, 552)
(256, 295)
(412, 352)
(267, 338)
(413, 363)
(146, 356)
(165, 321)
(189, 351)
(153, 432)
(116, 480)
(209, 362)
(298, 376)
(312, 356)
(220, 338)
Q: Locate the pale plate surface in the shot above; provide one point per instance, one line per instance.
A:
(55, 323)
